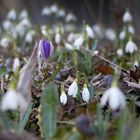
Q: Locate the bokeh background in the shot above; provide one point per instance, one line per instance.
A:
(107, 12)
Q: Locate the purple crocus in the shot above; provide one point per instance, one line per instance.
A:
(45, 49)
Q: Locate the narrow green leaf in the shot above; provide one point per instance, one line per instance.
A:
(49, 101)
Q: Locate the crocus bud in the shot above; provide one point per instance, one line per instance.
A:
(45, 49)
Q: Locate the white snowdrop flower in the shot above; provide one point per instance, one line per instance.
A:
(26, 22)
(73, 89)
(4, 42)
(130, 47)
(127, 17)
(122, 35)
(131, 29)
(68, 46)
(57, 38)
(85, 94)
(29, 36)
(12, 100)
(120, 53)
(61, 13)
(20, 29)
(9, 101)
(114, 97)
(70, 17)
(12, 14)
(89, 31)
(63, 98)
(16, 64)
(46, 11)
(78, 42)
(44, 30)
(23, 14)
(7, 25)
(70, 37)
(98, 30)
(110, 34)
(54, 8)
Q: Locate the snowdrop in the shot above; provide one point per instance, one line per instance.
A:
(89, 31)
(16, 64)
(85, 94)
(29, 36)
(73, 89)
(53, 8)
(46, 11)
(7, 25)
(122, 35)
(127, 17)
(23, 14)
(57, 38)
(130, 47)
(136, 63)
(4, 42)
(12, 100)
(98, 30)
(78, 42)
(12, 14)
(44, 30)
(63, 98)
(131, 29)
(110, 34)
(70, 17)
(114, 97)
(61, 13)
(120, 53)
(68, 46)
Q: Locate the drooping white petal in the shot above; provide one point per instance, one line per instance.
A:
(78, 42)
(16, 64)
(12, 14)
(63, 98)
(130, 47)
(68, 46)
(89, 31)
(122, 35)
(120, 53)
(85, 95)
(73, 89)
(9, 101)
(110, 34)
(57, 38)
(127, 17)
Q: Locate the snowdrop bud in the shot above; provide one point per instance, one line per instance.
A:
(58, 38)
(127, 17)
(130, 47)
(85, 94)
(89, 31)
(120, 53)
(63, 98)
(61, 13)
(98, 30)
(110, 34)
(136, 63)
(73, 89)
(12, 14)
(114, 97)
(16, 64)
(45, 49)
(9, 101)
(78, 42)
(69, 47)
(122, 35)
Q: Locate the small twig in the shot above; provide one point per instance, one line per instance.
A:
(66, 122)
(132, 84)
(113, 64)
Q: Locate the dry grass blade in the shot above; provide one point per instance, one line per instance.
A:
(25, 78)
